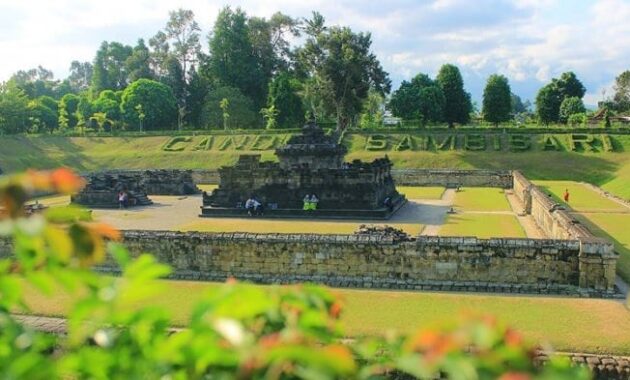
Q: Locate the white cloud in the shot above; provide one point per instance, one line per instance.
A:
(530, 41)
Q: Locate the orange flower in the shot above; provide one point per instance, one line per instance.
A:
(65, 181)
(104, 230)
(515, 376)
(513, 338)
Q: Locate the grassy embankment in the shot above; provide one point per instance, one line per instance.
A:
(611, 170)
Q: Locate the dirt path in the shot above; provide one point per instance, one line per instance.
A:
(437, 210)
(532, 230)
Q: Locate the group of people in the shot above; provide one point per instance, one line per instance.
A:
(254, 207)
(310, 202)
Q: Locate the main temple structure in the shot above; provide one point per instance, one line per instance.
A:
(310, 163)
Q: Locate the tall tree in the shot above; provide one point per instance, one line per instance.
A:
(497, 100)
(621, 99)
(197, 90)
(232, 61)
(70, 103)
(109, 70)
(228, 108)
(138, 64)
(284, 98)
(182, 31)
(13, 109)
(518, 106)
(548, 104)
(420, 99)
(35, 82)
(568, 86)
(551, 96)
(80, 75)
(343, 62)
(457, 105)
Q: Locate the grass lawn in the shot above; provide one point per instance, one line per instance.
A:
(583, 325)
(482, 226)
(286, 226)
(581, 198)
(481, 199)
(421, 192)
(614, 227)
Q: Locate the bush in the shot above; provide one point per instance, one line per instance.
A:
(239, 332)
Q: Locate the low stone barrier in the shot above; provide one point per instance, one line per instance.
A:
(416, 177)
(551, 266)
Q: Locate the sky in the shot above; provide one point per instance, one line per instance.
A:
(529, 41)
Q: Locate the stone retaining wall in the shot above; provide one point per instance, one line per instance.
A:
(422, 263)
(416, 177)
(453, 177)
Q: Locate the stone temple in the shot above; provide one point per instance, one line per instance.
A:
(310, 163)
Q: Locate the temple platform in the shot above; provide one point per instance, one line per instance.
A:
(382, 213)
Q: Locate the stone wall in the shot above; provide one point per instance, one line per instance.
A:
(425, 262)
(452, 178)
(416, 177)
(550, 216)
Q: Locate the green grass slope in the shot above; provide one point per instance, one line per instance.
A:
(611, 170)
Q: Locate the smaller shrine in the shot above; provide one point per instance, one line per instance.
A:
(102, 190)
(310, 164)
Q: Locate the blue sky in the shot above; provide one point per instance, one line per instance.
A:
(529, 41)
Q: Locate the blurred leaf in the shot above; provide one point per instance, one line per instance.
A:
(67, 214)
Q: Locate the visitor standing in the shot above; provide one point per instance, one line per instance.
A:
(314, 202)
(249, 205)
(307, 202)
(121, 199)
(566, 195)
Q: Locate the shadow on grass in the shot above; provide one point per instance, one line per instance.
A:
(549, 165)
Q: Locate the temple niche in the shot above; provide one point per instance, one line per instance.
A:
(310, 163)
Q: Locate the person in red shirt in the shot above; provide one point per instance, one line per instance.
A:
(566, 195)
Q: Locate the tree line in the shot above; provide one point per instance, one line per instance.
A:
(444, 100)
(252, 77)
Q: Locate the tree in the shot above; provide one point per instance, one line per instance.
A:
(497, 100)
(230, 101)
(621, 99)
(69, 103)
(344, 64)
(553, 94)
(13, 109)
(108, 103)
(109, 70)
(36, 82)
(43, 114)
(141, 116)
(270, 115)
(432, 103)
(517, 104)
(373, 107)
(138, 64)
(84, 110)
(232, 62)
(405, 101)
(457, 104)
(571, 106)
(80, 76)
(101, 120)
(157, 101)
(569, 86)
(195, 96)
(284, 98)
(548, 102)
